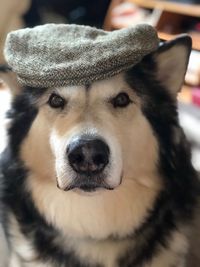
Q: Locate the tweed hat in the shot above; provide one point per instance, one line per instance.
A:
(59, 54)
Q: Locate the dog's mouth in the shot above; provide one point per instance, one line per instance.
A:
(88, 187)
(90, 184)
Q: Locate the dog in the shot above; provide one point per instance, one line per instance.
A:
(100, 175)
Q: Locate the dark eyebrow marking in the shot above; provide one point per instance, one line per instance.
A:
(87, 86)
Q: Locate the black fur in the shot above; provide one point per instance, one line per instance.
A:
(22, 114)
(174, 205)
(177, 202)
(5, 68)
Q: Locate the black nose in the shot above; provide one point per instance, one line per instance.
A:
(88, 156)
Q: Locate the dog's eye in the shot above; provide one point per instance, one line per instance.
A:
(56, 101)
(121, 100)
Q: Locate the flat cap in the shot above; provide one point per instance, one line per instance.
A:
(60, 54)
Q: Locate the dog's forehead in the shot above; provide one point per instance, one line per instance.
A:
(102, 88)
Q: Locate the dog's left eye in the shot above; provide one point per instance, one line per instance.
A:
(121, 100)
(56, 101)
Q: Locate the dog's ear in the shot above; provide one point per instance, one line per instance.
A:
(10, 78)
(172, 59)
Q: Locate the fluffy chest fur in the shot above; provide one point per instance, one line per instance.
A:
(93, 253)
(78, 252)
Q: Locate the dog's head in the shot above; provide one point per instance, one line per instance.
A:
(98, 135)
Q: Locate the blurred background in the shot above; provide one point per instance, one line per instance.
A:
(169, 17)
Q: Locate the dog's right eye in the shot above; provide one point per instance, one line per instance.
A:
(56, 101)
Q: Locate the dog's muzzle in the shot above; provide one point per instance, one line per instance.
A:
(88, 156)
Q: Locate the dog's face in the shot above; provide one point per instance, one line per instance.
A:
(92, 138)
(96, 136)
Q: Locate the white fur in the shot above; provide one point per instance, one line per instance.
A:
(98, 216)
(4, 251)
(174, 256)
